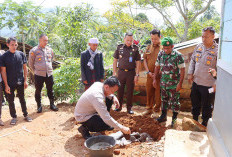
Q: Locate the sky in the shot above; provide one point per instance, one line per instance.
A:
(101, 6)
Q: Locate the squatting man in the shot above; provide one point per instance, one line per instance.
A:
(92, 109)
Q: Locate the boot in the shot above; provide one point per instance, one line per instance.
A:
(195, 118)
(84, 132)
(205, 122)
(163, 117)
(52, 106)
(39, 108)
(174, 118)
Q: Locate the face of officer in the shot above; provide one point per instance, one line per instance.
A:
(207, 38)
(128, 40)
(168, 49)
(93, 47)
(110, 90)
(12, 46)
(43, 41)
(155, 39)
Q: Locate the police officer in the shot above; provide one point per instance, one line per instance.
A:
(203, 58)
(171, 64)
(128, 58)
(40, 62)
(150, 57)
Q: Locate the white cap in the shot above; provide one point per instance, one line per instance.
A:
(93, 41)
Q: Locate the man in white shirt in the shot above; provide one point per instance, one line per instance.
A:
(92, 109)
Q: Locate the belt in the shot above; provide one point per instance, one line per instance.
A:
(127, 69)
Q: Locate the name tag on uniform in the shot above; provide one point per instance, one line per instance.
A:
(130, 59)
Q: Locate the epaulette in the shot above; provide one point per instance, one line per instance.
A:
(133, 46)
(120, 45)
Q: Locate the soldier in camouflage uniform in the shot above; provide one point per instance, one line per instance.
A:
(171, 64)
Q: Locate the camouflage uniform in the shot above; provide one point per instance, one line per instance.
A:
(170, 65)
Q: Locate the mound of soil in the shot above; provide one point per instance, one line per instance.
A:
(141, 124)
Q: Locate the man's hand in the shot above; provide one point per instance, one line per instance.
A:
(154, 83)
(115, 74)
(126, 130)
(102, 80)
(136, 78)
(212, 72)
(190, 78)
(116, 102)
(151, 74)
(85, 82)
(7, 89)
(178, 87)
(25, 85)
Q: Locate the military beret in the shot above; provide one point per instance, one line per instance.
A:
(167, 41)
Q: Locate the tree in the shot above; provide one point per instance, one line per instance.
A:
(188, 9)
(69, 29)
(22, 18)
(120, 20)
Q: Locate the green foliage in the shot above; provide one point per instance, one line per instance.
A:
(189, 10)
(67, 83)
(22, 17)
(70, 28)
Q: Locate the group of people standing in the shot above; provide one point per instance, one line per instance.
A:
(165, 69)
(13, 65)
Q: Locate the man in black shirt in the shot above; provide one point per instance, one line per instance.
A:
(13, 64)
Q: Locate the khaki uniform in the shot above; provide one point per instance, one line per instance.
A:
(153, 94)
(202, 59)
(127, 57)
(40, 61)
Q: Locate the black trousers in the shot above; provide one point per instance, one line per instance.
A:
(95, 123)
(126, 78)
(39, 81)
(202, 99)
(1, 97)
(10, 99)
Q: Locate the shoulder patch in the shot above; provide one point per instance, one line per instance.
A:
(199, 49)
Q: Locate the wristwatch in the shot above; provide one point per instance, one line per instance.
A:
(137, 75)
(147, 72)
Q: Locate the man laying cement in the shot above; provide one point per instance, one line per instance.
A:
(92, 109)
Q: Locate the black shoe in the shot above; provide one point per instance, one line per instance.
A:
(53, 107)
(163, 117)
(204, 122)
(130, 111)
(174, 118)
(110, 128)
(39, 109)
(84, 132)
(118, 109)
(195, 118)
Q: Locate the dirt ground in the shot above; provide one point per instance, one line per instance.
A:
(55, 134)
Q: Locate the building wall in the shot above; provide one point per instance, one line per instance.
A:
(220, 126)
